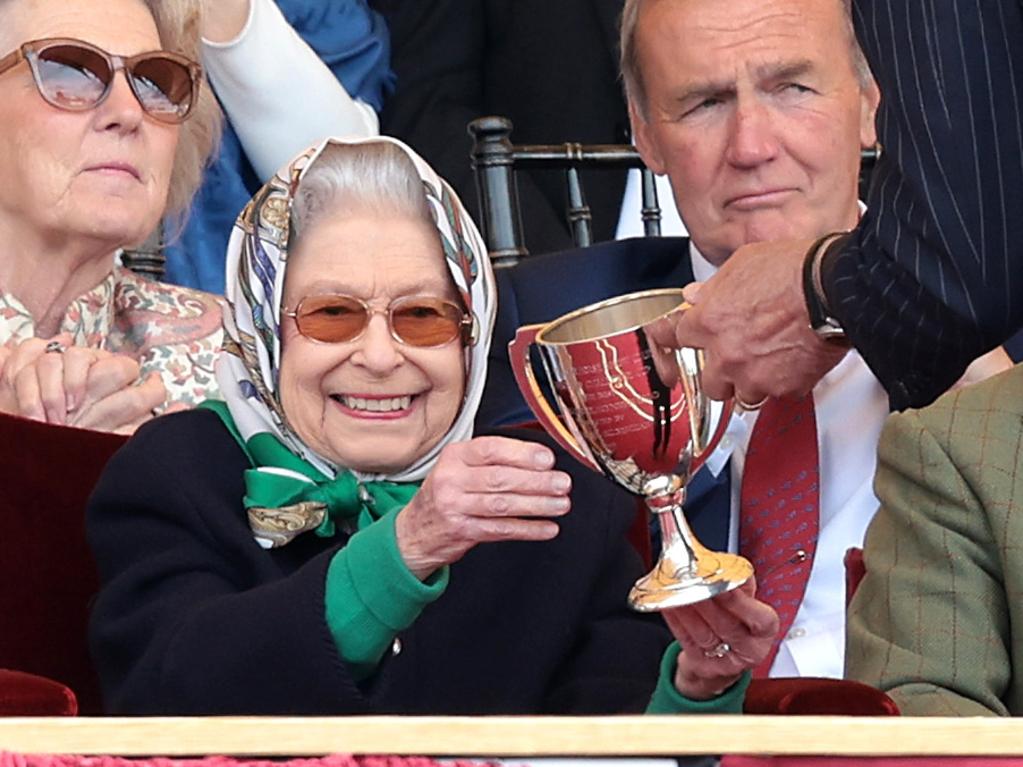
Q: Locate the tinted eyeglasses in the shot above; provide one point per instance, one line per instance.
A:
(419, 321)
(75, 75)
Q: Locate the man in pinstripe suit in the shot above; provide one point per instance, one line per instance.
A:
(933, 274)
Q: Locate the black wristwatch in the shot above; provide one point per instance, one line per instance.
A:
(821, 321)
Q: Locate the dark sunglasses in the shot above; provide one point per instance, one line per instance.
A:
(75, 75)
(413, 320)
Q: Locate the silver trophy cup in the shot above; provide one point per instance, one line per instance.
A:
(635, 412)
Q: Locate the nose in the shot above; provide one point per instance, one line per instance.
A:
(378, 351)
(751, 140)
(120, 111)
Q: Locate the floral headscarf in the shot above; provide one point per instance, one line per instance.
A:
(257, 256)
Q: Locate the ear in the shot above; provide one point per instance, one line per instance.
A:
(646, 144)
(870, 98)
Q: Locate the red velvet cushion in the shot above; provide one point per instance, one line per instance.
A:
(47, 575)
(812, 696)
(24, 694)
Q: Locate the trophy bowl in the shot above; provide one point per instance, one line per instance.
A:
(636, 412)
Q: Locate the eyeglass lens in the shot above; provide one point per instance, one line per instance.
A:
(76, 77)
(418, 321)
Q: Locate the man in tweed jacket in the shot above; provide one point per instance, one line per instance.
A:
(931, 623)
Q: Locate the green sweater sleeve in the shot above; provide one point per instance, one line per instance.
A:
(667, 700)
(371, 595)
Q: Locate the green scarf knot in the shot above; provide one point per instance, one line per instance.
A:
(286, 495)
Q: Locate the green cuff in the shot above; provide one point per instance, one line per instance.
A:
(668, 700)
(371, 595)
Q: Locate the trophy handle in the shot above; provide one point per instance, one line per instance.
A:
(518, 354)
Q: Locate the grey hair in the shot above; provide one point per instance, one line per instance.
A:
(632, 77)
(375, 177)
(177, 23)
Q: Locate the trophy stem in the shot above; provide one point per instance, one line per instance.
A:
(686, 572)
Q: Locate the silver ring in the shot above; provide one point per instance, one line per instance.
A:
(54, 347)
(721, 649)
(749, 407)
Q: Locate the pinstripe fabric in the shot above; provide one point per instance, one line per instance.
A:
(935, 275)
(937, 622)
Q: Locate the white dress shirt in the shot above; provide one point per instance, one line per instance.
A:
(851, 407)
(630, 218)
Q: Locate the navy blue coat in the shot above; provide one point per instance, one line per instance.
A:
(194, 618)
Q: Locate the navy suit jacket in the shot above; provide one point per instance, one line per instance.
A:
(542, 288)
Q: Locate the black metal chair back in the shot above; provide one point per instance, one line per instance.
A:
(495, 160)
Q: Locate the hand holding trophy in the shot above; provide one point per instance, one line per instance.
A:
(635, 412)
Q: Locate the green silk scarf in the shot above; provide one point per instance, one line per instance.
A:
(286, 496)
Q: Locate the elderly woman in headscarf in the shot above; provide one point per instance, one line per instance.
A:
(104, 127)
(331, 538)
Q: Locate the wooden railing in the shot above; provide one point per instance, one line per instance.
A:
(516, 736)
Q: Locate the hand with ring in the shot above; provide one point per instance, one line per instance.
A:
(721, 638)
(53, 380)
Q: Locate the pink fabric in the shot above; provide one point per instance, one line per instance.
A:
(779, 511)
(870, 761)
(8, 759)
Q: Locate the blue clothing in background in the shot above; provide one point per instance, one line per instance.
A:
(353, 42)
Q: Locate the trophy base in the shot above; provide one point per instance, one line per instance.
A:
(713, 573)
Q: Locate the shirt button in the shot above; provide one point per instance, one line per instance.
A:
(797, 633)
(396, 646)
(726, 443)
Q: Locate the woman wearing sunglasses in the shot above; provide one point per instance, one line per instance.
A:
(331, 539)
(104, 127)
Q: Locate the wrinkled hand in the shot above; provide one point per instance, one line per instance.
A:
(487, 489)
(747, 625)
(83, 387)
(751, 321)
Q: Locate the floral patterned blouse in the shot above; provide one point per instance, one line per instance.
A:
(171, 330)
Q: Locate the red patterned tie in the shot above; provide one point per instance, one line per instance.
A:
(779, 508)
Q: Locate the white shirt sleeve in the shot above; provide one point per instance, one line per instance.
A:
(277, 93)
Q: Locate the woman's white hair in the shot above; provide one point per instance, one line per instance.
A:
(374, 177)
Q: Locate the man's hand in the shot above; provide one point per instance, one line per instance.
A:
(751, 321)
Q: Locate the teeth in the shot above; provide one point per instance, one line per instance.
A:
(377, 405)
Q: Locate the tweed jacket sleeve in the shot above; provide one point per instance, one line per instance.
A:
(934, 276)
(931, 623)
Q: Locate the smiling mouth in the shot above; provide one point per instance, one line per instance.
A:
(370, 405)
